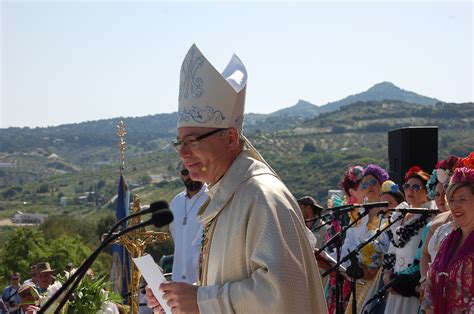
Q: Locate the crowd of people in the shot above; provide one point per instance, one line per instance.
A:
(423, 262)
(24, 298)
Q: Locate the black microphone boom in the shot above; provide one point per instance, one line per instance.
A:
(159, 219)
(371, 205)
(423, 211)
(350, 207)
(155, 206)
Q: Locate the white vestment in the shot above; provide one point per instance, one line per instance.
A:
(258, 258)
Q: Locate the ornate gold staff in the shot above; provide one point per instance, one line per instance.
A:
(121, 145)
(135, 242)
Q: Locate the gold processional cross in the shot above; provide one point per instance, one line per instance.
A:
(136, 241)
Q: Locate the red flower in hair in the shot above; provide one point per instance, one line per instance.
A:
(468, 161)
(411, 171)
(450, 163)
(461, 175)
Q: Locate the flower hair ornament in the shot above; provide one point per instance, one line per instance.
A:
(468, 161)
(411, 171)
(450, 163)
(355, 173)
(431, 184)
(462, 175)
(389, 187)
(377, 172)
(445, 168)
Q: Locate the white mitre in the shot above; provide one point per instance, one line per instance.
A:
(208, 98)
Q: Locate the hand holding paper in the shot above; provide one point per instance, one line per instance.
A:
(181, 296)
(154, 277)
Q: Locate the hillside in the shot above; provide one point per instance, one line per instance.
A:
(304, 110)
(380, 92)
(80, 140)
(310, 158)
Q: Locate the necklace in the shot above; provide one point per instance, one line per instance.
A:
(186, 211)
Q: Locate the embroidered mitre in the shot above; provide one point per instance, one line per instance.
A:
(208, 98)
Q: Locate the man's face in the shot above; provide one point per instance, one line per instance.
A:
(15, 280)
(204, 162)
(190, 184)
(308, 213)
(45, 280)
(34, 276)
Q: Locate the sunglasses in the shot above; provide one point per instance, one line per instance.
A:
(15, 279)
(368, 184)
(185, 172)
(415, 187)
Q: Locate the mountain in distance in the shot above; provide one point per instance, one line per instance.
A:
(379, 92)
(149, 129)
(304, 110)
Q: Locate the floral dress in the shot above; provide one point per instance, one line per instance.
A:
(450, 285)
(330, 291)
(405, 238)
(371, 255)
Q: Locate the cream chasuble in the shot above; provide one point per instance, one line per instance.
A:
(258, 258)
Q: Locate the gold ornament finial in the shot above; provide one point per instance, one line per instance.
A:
(122, 144)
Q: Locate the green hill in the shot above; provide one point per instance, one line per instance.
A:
(328, 143)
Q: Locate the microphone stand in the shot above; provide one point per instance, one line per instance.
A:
(321, 225)
(83, 268)
(379, 296)
(337, 239)
(353, 254)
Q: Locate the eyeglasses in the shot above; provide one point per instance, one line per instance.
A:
(368, 184)
(415, 187)
(185, 172)
(14, 279)
(192, 142)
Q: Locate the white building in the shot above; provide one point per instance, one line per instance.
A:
(26, 218)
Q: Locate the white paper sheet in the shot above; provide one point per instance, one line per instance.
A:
(153, 276)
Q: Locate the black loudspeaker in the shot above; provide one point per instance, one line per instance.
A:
(412, 146)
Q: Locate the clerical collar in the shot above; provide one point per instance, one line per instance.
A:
(212, 190)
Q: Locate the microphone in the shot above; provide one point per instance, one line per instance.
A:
(322, 217)
(351, 207)
(155, 206)
(371, 205)
(159, 219)
(423, 211)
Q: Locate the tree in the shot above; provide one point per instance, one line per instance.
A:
(26, 246)
(309, 148)
(55, 226)
(67, 249)
(145, 180)
(43, 188)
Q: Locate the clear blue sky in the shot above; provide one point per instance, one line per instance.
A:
(66, 62)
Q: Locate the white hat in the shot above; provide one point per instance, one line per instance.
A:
(208, 98)
(213, 100)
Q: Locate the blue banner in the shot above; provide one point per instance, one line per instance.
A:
(120, 272)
